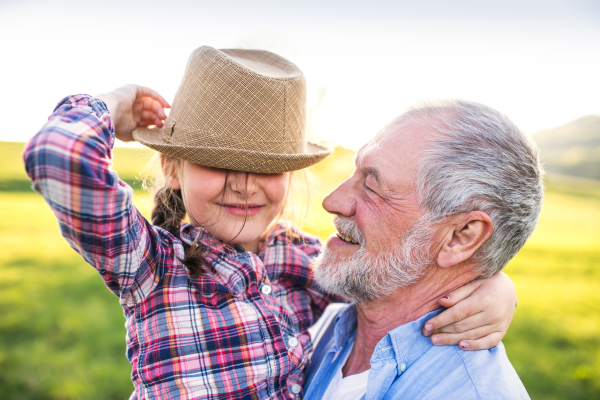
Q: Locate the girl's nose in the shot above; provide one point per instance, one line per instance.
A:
(243, 183)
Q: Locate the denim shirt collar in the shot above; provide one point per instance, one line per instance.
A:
(404, 344)
(345, 327)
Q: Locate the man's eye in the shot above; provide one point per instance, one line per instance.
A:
(369, 189)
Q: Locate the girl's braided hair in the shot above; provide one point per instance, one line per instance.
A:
(168, 212)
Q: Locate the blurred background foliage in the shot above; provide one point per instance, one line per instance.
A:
(62, 333)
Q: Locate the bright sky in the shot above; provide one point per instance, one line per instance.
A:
(538, 61)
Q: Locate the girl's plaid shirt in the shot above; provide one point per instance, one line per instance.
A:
(238, 333)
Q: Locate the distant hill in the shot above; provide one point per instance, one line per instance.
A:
(572, 149)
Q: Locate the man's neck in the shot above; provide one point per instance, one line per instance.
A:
(376, 318)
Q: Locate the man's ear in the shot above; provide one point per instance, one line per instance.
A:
(170, 172)
(469, 233)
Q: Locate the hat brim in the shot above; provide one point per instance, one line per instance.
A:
(233, 159)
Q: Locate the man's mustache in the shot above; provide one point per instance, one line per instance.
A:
(349, 228)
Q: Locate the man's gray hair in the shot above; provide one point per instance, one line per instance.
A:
(479, 160)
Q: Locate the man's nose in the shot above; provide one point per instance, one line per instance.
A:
(341, 201)
(243, 183)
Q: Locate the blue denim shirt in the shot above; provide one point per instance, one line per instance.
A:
(405, 365)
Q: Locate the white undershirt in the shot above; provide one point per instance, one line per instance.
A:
(352, 387)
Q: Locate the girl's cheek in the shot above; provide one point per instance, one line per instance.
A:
(275, 191)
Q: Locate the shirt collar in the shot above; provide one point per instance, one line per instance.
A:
(345, 327)
(277, 236)
(237, 268)
(214, 245)
(404, 344)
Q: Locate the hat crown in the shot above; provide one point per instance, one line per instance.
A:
(251, 100)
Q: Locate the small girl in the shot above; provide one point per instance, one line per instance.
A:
(218, 307)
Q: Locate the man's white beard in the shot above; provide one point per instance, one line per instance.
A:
(365, 277)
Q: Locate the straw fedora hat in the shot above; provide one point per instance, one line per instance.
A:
(243, 110)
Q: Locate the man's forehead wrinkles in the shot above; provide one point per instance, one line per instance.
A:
(358, 157)
(365, 152)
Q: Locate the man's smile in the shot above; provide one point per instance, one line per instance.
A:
(347, 239)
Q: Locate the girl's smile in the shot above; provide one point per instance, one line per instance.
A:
(242, 209)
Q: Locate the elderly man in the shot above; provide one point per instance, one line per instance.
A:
(445, 194)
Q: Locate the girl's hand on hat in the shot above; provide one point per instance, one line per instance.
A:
(478, 314)
(134, 106)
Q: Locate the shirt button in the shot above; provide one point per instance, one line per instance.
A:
(266, 289)
(296, 389)
(293, 342)
(403, 367)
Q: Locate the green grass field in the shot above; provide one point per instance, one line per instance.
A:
(62, 332)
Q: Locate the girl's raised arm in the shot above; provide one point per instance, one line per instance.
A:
(69, 162)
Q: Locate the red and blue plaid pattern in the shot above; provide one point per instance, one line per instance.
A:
(240, 332)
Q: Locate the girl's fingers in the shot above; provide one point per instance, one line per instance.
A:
(472, 335)
(460, 311)
(154, 106)
(467, 324)
(484, 343)
(146, 122)
(159, 110)
(147, 92)
(150, 116)
(459, 294)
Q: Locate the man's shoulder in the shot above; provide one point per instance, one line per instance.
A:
(405, 365)
(425, 371)
(449, 372)
(492, 373)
